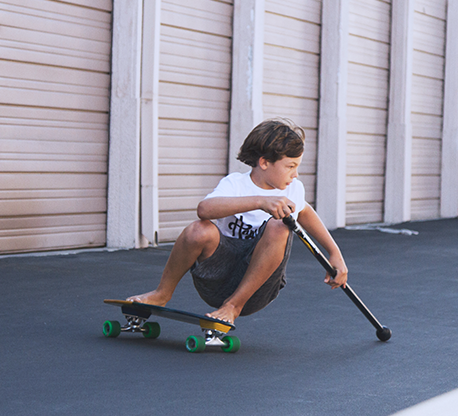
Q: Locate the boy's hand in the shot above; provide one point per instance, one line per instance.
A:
(278, 207)
(341, 276)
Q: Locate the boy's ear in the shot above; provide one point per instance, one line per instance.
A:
(263, 163)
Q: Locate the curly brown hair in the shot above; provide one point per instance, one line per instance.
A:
(273, 140)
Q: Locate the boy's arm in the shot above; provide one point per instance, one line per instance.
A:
(311, 222)
(220, 207)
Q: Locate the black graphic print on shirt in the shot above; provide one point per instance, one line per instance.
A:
(243, 231)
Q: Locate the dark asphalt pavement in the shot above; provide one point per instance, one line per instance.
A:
(311, 352)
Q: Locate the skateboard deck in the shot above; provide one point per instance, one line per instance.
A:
(137, 315)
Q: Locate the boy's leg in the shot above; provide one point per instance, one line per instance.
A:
(267, 257)
(198, 241)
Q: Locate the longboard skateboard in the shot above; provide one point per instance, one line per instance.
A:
(137, 315)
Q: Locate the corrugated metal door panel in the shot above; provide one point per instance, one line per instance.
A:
(367, 52)
(211, 17)
(367, 100)
(427, 95)
(30, 15)
(363, 155)
(291, 73)
(301, 110)
(194, 100)
(365, 188)
(307, 11)
(25, 84)
(367, 86)
(287, 31)
(61, 7)
(366, 121)
(56, 39)
(295, 67)
(362, 212)
(432, 8)
(191, 102)
(54, 103)
(427, 107)
(426, 126)
(203, 152)
(428, 65)
(106, 5)
(427, 156)
(426, 192)
(198, 58)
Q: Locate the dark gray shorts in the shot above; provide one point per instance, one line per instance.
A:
(217, 277)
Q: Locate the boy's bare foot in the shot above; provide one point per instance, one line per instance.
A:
(227, 313)
(151, 298)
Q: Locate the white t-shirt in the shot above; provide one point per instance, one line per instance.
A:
(246, 224)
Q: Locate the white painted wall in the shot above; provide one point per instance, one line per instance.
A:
(332, 133)
(149, 153)
(123, 222)
(247, 75)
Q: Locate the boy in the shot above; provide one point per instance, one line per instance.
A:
(238, 265)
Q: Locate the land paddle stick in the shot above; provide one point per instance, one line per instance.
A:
(383, 333)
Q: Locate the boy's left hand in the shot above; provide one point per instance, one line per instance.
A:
(341, 276)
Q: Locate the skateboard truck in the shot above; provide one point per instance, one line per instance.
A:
(214, 338)
(134, 324)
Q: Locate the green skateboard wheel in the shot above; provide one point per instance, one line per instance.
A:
(232, 344)
(195, 344)
(111, 329)
(153, 330)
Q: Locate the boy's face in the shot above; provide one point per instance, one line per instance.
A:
(280, 174)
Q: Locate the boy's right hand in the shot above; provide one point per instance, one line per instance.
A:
(279, 207)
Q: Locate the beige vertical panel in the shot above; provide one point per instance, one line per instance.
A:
(427, 106)
(54, 103)
(194, 103)
(291, 73)
(368, 74)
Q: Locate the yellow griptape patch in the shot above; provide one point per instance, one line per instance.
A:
(216, 326)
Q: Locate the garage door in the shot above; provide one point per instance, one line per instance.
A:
(427, 106)
(367, 110)
(291, 73)
(194, 104)
(54, 103)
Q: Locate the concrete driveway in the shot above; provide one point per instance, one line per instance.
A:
(311, 352)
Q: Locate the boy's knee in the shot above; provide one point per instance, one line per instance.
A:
(276, 229)
(201, 232)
